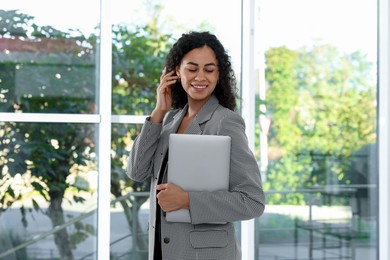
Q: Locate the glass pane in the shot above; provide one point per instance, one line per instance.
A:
(47, 191)
(317, 129)
(47, 61)
(129, 206)
(143, 33)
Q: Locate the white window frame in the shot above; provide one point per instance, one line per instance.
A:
(248, 246)
(384, 128)
(104, 134)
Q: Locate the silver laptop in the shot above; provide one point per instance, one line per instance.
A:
(197, 163)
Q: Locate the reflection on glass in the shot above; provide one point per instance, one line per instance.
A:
(318, 128)
(48, 190)
(43, 67)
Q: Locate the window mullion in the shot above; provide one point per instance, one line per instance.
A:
(383, 125)
(248, 108)
(104, 135)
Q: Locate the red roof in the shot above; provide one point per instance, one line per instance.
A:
(40, 45)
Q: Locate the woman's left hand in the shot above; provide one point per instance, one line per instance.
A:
(171, 197)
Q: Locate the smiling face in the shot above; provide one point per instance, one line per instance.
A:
(199, 74)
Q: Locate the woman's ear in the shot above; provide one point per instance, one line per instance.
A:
(177, 70)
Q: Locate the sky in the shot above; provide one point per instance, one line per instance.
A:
(350, 25)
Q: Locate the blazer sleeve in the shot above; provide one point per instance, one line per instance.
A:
(140, 162)
(245, 198)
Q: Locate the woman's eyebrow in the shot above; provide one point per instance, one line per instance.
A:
(195, 64)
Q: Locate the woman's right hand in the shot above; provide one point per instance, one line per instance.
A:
(164, 96)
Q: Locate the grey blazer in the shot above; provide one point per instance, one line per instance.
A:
(244, 200)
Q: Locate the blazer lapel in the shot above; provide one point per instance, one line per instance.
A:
(203, 116)
(172, 127)
(193, 128)
(196, 125)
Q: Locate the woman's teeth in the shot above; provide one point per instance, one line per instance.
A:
(199, 86)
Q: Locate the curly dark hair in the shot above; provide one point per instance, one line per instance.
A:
(226, 90)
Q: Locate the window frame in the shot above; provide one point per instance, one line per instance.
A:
(383, 127)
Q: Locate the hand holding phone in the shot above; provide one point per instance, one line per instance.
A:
(164, 95)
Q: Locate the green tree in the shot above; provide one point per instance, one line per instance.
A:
(282, 99)
(322, 104)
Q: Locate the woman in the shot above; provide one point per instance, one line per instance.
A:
(196, 96)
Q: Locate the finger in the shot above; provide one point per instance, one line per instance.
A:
(161, 187)
(166, 83)
(163, 73)
(168, 75)
(171, 81)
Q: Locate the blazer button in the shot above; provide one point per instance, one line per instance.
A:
(166, 240)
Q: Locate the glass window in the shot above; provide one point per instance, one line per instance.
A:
(129, 206)
(48, 63)
(316, 122)
(48, 190)
(48, 170)
(142, 35)
(317, 129)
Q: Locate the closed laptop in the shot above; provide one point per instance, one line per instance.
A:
(197, 163)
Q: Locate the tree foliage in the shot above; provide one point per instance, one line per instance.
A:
(323, 110)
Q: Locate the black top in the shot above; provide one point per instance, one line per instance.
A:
(157, 237)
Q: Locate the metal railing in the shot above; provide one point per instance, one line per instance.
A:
(83, 216)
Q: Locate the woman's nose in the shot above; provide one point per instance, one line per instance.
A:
(199, 75)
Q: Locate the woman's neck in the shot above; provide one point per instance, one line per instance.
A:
(194, 107)
(191, 113)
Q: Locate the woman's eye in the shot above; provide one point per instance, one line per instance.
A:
(192, 70)
(209, 71)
